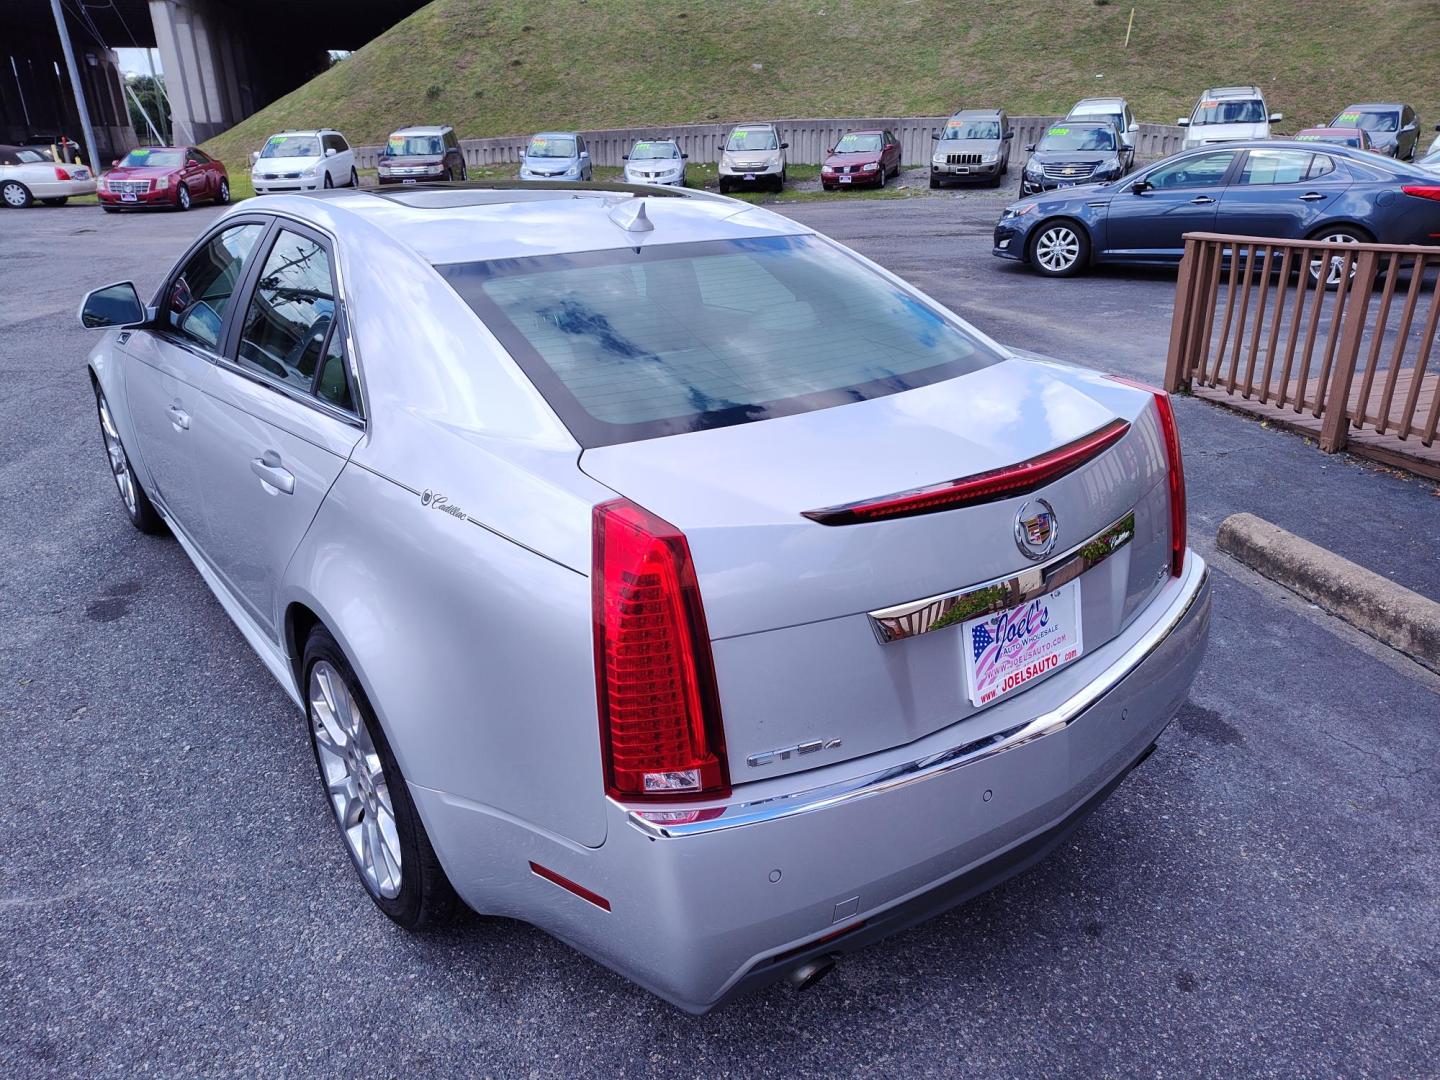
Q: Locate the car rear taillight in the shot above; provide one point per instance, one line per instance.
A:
(61, 174)
(1166, 415)
(660, 725)
(1422, 191)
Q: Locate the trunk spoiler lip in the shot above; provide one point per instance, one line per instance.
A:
(993, 485)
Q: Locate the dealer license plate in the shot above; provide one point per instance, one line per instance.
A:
(1011, 649)
(846, 179)
(129, 197)
(749, 176)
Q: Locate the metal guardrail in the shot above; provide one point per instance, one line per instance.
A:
(809, 140)
(1332, 339)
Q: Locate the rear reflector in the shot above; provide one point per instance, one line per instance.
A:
(1005, 483)
(570, 886)
(1176, 473)
(660, 726)
(1422, 191)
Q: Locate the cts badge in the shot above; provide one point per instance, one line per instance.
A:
(811, 747)
(1036, 529)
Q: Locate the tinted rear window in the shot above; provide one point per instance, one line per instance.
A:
(629, 345)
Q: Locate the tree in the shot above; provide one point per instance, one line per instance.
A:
(151, 94)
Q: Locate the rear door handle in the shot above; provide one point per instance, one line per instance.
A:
(272, 474)
(179, 418)
(1311, 196)
(1201, 200)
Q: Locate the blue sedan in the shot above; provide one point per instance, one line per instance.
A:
(1286, 190)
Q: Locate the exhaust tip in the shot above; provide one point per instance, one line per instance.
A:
(810, 972)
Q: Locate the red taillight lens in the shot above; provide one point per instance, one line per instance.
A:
(655, 678)
(1166, 414)
(1422, 191)
(61, 174)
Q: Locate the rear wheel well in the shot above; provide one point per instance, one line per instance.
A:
(299, 621)
(1363, 233)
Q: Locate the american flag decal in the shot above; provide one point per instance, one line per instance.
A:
(980, 639)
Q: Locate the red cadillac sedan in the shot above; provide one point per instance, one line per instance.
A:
(170, 176)
(861, 157)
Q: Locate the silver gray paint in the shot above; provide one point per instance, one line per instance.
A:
(472, 637)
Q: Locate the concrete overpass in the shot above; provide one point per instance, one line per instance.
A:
(222, 59)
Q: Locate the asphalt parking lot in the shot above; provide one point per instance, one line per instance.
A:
(1262, 897)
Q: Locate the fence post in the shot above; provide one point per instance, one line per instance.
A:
(1177, 366)
(1335, 425)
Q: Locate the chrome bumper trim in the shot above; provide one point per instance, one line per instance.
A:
(654, 823)
(950, 609)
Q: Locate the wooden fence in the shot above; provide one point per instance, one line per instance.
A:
(1331, 339)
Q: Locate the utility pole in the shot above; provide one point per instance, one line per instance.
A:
(90, 145)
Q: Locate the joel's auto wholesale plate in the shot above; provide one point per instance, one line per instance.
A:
(1010, 649)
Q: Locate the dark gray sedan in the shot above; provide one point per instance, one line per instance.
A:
(1392, 126)
(1286, 190)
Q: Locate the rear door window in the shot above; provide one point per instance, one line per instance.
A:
(1283, 167)
(287, 324)
(629, 345)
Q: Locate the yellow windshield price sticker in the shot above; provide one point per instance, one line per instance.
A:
(1059, 131)
(1348, 117)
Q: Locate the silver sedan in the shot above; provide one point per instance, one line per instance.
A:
(651, 568)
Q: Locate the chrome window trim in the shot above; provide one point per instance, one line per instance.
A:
(890, 624)
(652, 822)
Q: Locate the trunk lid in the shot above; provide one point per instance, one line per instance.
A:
(787, 599)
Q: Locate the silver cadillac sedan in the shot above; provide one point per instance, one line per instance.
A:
(651, 568)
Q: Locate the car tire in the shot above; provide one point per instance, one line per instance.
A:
(934, 184)
(367, 794)
(464, 172)
(142, 512)
(59, 200)
(724, 187)
(182, 198)
(328, 182)
(880, 182)
(222, 196)
(1343, 234)
(110, 209)
(354, 177)
(1059, 248)
(16, 195)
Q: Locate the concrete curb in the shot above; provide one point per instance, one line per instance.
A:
(1390, 613)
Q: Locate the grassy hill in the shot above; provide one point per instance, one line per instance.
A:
(499, 67)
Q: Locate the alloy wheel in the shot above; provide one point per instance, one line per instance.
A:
(354, 780)
(119, 462)
(1336, 262)
(224, 191)
(1057, 248)
(182, 198)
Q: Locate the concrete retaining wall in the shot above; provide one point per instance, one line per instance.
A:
(809, 140)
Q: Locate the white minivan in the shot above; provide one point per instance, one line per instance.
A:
(1228, 114)
(303, 161)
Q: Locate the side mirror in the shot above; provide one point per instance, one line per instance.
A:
(624, 157)
(830, 150)
(1410, 126)
(584, 153)
(1140, 187)
(1030, 149)
(784, 146)
(1276, 117)
(114, 162)
(113, 305)
(329, 151)
(1184, 121)
(1133, 126)
(685, 157)
(1127, 144)
(1008, 135)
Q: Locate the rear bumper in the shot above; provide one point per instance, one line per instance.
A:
(56, 189)
(703, 910)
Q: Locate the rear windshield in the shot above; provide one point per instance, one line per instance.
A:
(629, 345)
(1235, 111)
(1069, 136)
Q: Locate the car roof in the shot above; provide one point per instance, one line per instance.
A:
(1373, 105)
(1328, 130)
(967, 114)
(423, 129)
(1232, 92)
(308, 131)
(479, 221)
(548, 134)
(1097, 101)
(866, 131)
(755, 124)
(1086, 121)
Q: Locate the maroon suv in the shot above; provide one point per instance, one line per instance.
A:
(169, 176)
